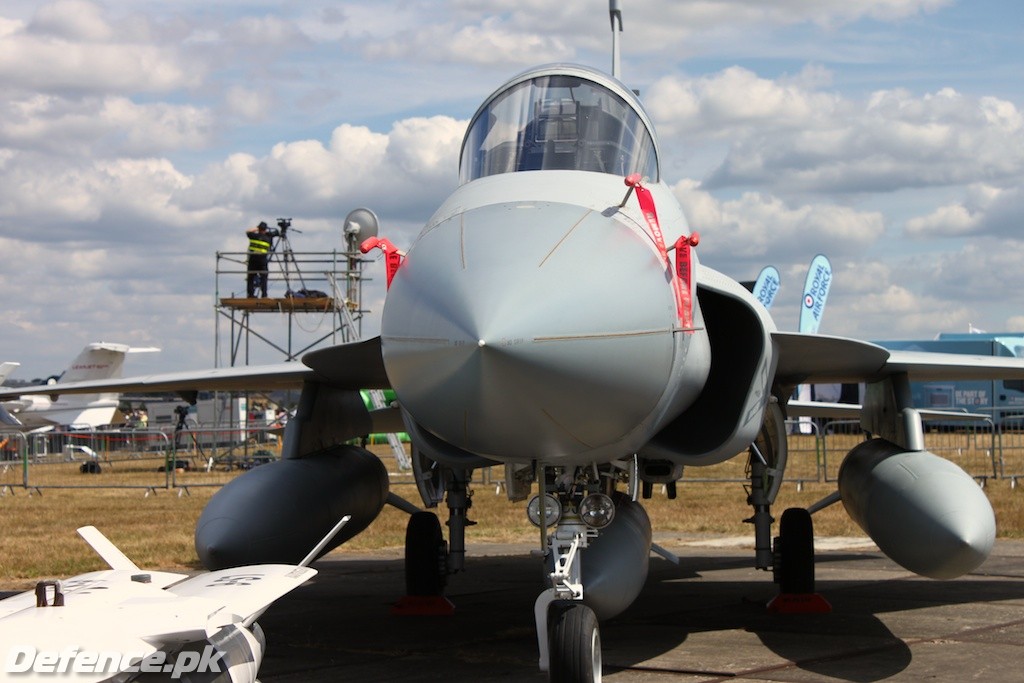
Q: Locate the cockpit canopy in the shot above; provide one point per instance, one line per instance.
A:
(553, 120)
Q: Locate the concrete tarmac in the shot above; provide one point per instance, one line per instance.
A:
(703, 620)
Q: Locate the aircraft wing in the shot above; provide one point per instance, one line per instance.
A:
(6, 419)
(851, 411)
(356, 365)
(244, 591)
(819, 359)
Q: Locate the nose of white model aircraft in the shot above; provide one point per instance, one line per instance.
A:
(518, 325)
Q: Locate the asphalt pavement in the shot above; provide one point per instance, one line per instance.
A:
(703, 620)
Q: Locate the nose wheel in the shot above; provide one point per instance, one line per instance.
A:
(574, 643)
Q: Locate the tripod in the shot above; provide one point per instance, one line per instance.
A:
(285, 259)
(179, 428)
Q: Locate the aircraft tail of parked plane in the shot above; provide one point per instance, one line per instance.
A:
(97, 361)
(6, 369)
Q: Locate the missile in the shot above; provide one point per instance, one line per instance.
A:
(276, 512)
(924, 512)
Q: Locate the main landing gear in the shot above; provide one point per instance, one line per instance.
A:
(791, 557)
(429, 560)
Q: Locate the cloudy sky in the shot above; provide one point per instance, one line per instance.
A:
(138, 139)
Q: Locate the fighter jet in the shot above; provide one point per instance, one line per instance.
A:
(553, 317)
(98, 360)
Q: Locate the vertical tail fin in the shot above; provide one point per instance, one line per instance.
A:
(100, 360)
(6, 369)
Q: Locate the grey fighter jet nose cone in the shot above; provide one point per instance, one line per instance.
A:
(515, 325)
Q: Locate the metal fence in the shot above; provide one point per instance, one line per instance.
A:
(208, 455)
(76, 459)
(145, 459)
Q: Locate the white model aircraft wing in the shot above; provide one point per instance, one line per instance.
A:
(806, 358)
(136, 612)
(97, 587)
(244, 591)
(356, 365)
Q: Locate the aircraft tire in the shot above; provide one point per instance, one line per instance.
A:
(425, 550)
(795, 552)
(574, 643)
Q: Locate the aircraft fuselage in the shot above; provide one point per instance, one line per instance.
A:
(545, 313)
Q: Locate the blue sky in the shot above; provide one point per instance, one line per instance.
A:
(139, 138)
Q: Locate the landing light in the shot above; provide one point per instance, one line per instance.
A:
(552, 510)
(597, 510)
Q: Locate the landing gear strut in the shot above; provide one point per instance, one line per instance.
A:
(579, 504)
(791, 558)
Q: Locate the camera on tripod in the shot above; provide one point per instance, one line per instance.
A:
(182, 413)
(284, 224)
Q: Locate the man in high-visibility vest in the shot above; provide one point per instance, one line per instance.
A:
(260, 242)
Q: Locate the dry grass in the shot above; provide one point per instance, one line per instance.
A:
(38, 536)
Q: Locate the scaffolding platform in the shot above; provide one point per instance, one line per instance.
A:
(308, 321)
(325, 304)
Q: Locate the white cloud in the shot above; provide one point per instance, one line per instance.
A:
(896, 312)
(248, 103)
(950, 220)
(894, 140)
(983, 271)
(760, 226)
(654, 19)
(407, 170)
(735, 102)
(69, 47)
(987, 210)
(71, 19)
(107, 126)
(261, 33)
(488, 43)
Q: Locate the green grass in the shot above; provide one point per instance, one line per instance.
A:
(38, 539)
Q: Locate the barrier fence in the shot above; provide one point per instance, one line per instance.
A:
(207, 455)
(196, 455)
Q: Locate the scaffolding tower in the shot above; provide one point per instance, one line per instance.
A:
(325, 284)
(303, 284)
